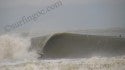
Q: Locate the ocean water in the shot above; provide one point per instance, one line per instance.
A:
(94, 63)
(25, 53)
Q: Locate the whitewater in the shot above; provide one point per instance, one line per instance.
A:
(38, 53)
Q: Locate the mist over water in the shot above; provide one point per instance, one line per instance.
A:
(15, 47)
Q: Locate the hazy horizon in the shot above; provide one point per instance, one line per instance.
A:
(72, 15)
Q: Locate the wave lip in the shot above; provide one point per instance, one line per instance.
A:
(68, 45)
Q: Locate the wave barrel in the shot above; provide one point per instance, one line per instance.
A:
(68, 45)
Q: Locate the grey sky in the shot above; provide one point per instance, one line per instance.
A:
(72, 15)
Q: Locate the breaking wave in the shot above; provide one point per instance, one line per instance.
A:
(15, 47)
(68, 45)
(62, 51)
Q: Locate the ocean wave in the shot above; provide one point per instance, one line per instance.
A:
(62, 51)
(68, 45)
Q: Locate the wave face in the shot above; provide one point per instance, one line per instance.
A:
(67, 45)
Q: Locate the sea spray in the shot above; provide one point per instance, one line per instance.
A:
(15, 47)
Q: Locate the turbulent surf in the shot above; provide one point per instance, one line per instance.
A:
(62, 51)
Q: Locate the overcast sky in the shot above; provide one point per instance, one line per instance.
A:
(72, 15)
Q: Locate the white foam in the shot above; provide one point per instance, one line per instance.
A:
(15, 47)
(94, 63)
